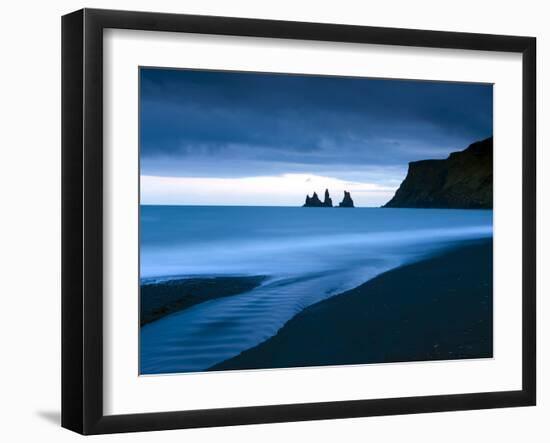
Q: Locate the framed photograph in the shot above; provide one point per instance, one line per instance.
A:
(269, 221)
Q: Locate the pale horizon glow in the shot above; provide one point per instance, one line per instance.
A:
(276, 190)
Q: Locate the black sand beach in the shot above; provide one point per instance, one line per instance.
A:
(436, 309)
(160, 299)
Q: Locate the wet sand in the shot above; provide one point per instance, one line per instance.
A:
(436, 309)
(164, 298)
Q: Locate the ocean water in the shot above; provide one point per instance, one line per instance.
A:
(308, 254)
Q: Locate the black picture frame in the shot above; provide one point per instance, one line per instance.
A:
(82, 218)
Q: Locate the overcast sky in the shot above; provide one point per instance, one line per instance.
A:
(211, 137)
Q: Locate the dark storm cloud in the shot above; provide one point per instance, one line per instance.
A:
(242, 124)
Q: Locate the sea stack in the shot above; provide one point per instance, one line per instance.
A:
(347, 202)
(313, 201)
(328, 201)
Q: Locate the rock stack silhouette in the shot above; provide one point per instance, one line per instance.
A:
(315, 202)
(347, 202)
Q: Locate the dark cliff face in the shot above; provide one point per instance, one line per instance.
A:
(462, 181)
(347, 202)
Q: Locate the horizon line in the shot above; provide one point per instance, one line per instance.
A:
(250, 206)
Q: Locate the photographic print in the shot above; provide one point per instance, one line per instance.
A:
(294, 220)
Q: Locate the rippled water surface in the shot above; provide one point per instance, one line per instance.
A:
(309, 254)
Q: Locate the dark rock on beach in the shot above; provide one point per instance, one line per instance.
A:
(347, 202)
(464, 180)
